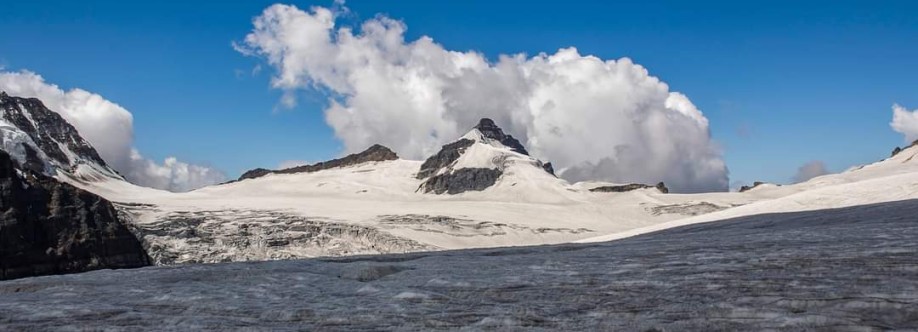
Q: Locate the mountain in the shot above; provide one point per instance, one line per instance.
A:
(476, 161)
(48, 226)
(482, 190)
(41, 140)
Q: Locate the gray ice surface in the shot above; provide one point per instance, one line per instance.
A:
(848, 269)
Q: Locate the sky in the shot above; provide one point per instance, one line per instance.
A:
(787, 89)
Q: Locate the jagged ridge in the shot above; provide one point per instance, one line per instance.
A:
(629, 187)
(374, 153)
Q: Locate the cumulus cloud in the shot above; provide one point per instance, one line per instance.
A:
(905, 122)
(110, 129)
(593, 118)
(810, 170)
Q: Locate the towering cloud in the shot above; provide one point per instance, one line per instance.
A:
(905, 122)
(593, 118)
(110, 129)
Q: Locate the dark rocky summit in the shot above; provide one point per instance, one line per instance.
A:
(374, 153)
(447, 155)
(50, 132)
(629, 187)
(454, 181)
(462, 180)
(489, 129)
(50, 227)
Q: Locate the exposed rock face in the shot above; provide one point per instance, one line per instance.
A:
(462, 180)
(374, 153)
(34, 135)
(754, 184)
(447, 155)
(49, 227)
(629, 187)
(255, 173)
(549, 168)
(489, 129)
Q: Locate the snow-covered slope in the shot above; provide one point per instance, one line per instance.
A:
(892, 179)
(483, 190)
(384, 206)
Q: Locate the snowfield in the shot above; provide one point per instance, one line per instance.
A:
(379, 201)
(847, 269)
(377, 207)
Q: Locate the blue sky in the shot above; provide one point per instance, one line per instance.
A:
(782, 83)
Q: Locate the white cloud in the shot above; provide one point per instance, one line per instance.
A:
(110, 129)
(905, 122)
(810, 170)
(172, 175)
(291, 163)
(593, 118)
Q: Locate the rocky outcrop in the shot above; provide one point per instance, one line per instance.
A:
(255, 173)
(50, 227)
(629, 187)
(898, 149)
(754, 184)
(374, 153)
(461, 180)
(549, 168)
(490, 130)
(447, 155)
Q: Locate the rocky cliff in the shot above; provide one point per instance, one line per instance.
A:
(49, 227)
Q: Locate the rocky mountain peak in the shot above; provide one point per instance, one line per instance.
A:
(452, 170)
(490, 130)
(42, 140)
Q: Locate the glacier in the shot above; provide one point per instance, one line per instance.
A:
(853, 268)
